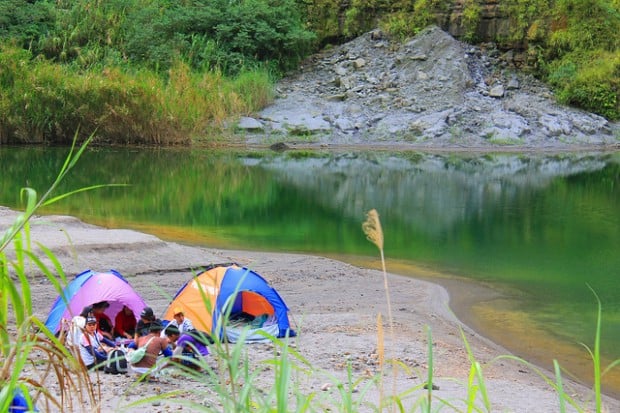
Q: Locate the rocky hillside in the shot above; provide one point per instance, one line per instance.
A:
(432, 91)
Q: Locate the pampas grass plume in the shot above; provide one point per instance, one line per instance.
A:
(372, 228)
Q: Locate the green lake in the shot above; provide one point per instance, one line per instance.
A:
(539, 230)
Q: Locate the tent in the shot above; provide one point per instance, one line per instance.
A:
(208, 296)
(91, 287)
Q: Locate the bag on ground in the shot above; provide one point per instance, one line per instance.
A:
(117, 362)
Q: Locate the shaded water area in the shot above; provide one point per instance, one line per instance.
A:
(518, 239)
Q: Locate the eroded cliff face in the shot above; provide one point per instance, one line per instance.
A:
(493, 23)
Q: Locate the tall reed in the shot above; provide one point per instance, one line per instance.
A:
(374, 233)
(45, 102)
(21, 333)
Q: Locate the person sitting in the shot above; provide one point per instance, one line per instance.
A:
(184, 324)
(155, 344)
(125, 323)
(76, 326)
(188, 344)
(93, 346)
(143, 327)
(104, 323)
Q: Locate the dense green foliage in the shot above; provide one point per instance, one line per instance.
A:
(574, 45)
(46, 102)
(140, 71)
(113, 66)
(25, 21)
(216, 34)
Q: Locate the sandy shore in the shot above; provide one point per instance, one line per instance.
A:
(334, 308)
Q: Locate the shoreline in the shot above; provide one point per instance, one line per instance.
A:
(334, 307)
(493, 314)
(497, 317)
(281, 146)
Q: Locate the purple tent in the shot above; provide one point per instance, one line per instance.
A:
(90, 287)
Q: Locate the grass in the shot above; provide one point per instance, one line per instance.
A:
(505, 141)
(233, 384)
(42, 102)
(21, 334)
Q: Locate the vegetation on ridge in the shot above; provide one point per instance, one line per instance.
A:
(160, 72)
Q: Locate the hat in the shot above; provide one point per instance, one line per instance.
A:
(156, 326)
(177, 310)
(91, 320)
(147, 312)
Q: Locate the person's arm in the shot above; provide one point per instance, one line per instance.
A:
(107, 341)
(178, 351)
(139, 326)
(167, 352)
(99, 355)
(108, 331)
(126, 333)
(120, 332)
(163, 347)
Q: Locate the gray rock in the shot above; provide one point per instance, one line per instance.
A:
(497, 91)
(249, 124)
(555, 126)
(344, 124)
(340, 71)
(359, 63)
(513, 83)
(430, 91)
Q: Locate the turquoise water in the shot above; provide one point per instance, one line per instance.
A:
(542, 227)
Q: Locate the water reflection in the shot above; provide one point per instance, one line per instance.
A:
(430, 193)
(540, 227)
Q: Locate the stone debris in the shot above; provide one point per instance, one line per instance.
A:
(430, 91)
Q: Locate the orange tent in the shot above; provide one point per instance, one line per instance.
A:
(224, 290)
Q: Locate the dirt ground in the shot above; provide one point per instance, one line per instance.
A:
(333, 307)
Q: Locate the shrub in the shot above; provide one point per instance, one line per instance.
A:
(44, 102)
(26, 22)
(409, 20)
(471, 19)
(590, 81)
(228, 36)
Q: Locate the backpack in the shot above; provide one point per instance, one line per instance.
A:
(138, 354)
(116, 363)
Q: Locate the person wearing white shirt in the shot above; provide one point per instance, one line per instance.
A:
(93, 349)
(180, 321)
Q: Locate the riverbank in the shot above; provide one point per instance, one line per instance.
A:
(334, 307)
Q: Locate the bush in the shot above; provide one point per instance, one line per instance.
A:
(45, 102)
(590, 81)
(222, 35)
(26, 22)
